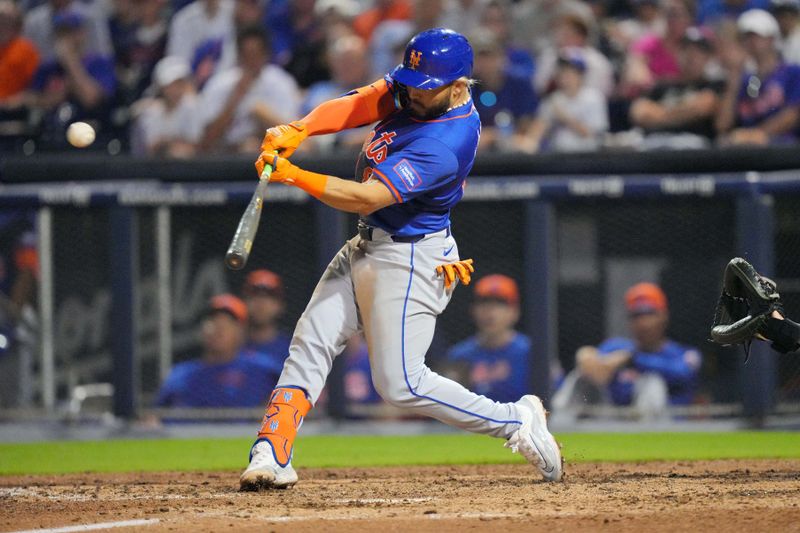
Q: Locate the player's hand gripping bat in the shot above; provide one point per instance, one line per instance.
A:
(242, 242)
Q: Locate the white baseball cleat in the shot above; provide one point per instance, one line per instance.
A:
(264, 472)
(535, 442)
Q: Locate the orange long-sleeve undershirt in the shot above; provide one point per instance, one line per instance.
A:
(366, 105)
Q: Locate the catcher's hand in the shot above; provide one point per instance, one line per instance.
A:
(748, 309)
(462, 270)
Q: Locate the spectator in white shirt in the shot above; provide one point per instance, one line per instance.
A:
(168, 125)
(200, 33)
(575, 116)
(787, 13)
(239, 103)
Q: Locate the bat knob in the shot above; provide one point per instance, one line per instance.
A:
(234, 261)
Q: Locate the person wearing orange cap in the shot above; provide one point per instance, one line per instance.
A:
(497, 358)
(264, 296)
(222, 376)
(647, 371)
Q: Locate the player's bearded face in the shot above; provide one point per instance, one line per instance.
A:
(428, 104)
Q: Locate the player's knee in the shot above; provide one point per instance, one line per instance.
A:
(394, 391)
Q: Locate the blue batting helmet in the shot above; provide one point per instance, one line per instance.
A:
(434, 58)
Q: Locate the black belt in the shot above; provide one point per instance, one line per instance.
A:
(365, 232)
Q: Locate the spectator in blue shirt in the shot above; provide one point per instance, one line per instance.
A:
(497, 359)
(715, 11)
(76, 84)
(761, 106)
(223, 376)
(647, 371)
(506, 102)
(263, 293)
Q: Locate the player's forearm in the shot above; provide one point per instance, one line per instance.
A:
(354, 197)
(365, 106)
(783, 121)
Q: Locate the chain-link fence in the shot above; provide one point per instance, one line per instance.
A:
(602, 244)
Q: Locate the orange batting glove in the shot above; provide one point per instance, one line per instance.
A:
(462, 270)
(284, 139)
(283, 171)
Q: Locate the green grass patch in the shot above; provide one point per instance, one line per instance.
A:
(341, 451)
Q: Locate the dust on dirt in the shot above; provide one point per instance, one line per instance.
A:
(718, 496)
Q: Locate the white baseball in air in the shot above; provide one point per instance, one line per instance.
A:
(80, 134)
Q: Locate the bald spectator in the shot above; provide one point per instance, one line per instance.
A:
(19, 58)
(39, 27)
(240, 103)
(222, 376)
(168, 124)
(787, 13)
(761, 106)
(646, 370)
(263, 293)
(203, 33)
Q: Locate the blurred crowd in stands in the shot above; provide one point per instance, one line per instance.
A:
(178, 78)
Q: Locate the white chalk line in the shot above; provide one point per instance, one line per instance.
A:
(383, 500)
(328, 517)
(29, 493)
(92, 527)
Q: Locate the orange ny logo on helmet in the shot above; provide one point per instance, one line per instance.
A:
(413, 59)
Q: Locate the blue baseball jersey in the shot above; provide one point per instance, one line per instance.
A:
(502, 374)
(276, 350)
(760, 99)
(424, 163)
(676, 363)
(246, 381)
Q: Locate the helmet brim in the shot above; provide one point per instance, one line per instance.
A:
(413, 78)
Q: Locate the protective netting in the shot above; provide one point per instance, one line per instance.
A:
(787, 275)
(602, 246)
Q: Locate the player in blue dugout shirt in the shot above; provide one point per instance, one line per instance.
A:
(223, 376)
(647, 371)
(497, 357)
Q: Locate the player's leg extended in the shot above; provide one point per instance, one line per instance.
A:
(399, 297)
(329, 320)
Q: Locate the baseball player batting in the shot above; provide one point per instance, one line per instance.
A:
(397, 275)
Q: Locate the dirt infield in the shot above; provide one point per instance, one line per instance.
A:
(719, 495)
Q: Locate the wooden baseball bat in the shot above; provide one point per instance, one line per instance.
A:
(242, 243)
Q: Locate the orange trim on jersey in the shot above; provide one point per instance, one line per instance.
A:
(473, 110)
(383, 179)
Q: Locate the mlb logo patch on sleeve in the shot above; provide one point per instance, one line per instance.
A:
(407, 174)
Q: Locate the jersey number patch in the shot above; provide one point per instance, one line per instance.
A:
(377, 149)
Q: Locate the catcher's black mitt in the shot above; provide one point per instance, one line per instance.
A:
(745, 311)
